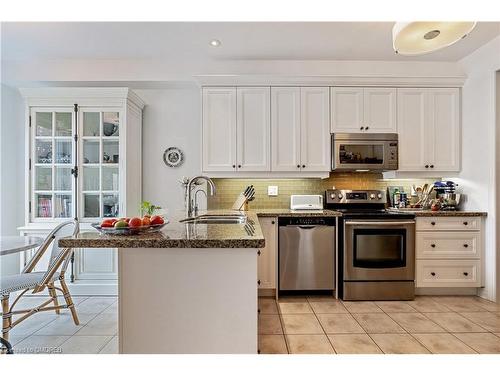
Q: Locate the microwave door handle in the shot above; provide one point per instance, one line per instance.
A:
(379, 222)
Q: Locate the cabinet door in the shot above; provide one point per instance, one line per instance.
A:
(266, 265)
(347, 109)
(285, 128)
(253, 130)
(380, 110)
(219, 129)
(314, 129)
(412, 120)
(444, 134)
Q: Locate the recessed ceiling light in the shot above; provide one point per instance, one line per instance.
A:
(215, 43)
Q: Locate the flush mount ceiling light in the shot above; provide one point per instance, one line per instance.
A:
(215, 43)
(418, 38)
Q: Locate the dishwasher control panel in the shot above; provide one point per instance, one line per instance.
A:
(306, 220)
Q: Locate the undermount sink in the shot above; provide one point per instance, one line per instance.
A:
(216, 219)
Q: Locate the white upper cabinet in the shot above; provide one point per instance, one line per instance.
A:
(253, 130)
(380, 110)
(360, 110)
(412, 119)
(347, 109)
(444, 129)
(314, 129)
(219, 129)
(285, 128)
(429, 129)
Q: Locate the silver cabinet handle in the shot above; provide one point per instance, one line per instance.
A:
(379, 222)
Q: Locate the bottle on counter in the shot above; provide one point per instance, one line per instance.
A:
(403, 198)
(396, 197)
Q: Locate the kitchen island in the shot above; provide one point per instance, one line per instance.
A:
(191, 288)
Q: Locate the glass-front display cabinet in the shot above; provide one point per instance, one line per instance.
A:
(84, 162)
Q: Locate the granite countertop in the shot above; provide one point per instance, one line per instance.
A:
(285, 212)
(429, 213)
(180, 235)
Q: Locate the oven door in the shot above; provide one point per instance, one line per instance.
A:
(362, 155)
(379, 250)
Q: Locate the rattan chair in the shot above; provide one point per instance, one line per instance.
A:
(29, 280)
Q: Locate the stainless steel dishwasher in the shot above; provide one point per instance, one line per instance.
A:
(306, 253)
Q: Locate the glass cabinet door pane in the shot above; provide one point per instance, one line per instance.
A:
(110, 124)
(43, 123)
(43, 205)
(110, 178)
(63, 151)
(63, 178)
(90, 151)
(91, 124)
(63, 124)
(110, 205)
(110, 151)
(91, 205)
(62, 205)
(90, 178)
(43, 178)
(43, 151)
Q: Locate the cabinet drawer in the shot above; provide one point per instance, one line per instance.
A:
(448, 273)
(448, 223)
(448, 245)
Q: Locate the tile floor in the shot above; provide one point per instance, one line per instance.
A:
(295, 325)
(323, 325)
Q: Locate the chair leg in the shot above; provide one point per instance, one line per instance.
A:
(53, 294)
(69, 301)
(6, 317)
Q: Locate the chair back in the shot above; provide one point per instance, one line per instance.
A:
(58, 256)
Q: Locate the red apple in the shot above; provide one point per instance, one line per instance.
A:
(135, 222)
(157, 220)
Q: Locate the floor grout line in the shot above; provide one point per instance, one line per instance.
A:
(321, 325)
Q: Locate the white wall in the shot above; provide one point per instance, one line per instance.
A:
(172, 117)
(477, 177)
(11, 170)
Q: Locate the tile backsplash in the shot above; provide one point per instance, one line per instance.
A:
(228, 189)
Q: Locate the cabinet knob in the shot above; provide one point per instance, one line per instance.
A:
(258, 311)
(466, 245)
(427, 166)
(362, 128)
(432, 165)
(298, 165)
(433, 245)
(258, 252)
(303, 165)
(234, 165)
(367, 128)
(433, 223)
(433, 273)
(466, 273)
(273, 222)
(258, 282)
(239, 165)
(466, 223)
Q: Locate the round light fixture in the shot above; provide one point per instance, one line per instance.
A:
(418, 38)
(215, 43)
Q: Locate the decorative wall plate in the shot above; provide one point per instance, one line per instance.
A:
(173, 157)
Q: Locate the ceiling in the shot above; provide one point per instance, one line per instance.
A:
(240, 41)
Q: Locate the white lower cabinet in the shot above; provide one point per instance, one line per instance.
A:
(266, 265)
(449, 252)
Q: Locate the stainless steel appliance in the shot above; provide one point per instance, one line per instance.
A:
(306, 253)
(376, 247)
(364, 152)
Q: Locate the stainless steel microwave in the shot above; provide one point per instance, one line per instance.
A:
(364, 152)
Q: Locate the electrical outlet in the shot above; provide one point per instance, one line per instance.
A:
(272, 191)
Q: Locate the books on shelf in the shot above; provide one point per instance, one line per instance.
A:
(44, 207)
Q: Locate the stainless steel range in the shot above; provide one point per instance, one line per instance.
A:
(376, 247)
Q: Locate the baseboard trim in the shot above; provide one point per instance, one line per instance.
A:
(447, 291)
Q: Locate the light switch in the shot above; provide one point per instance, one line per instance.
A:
(272, 191)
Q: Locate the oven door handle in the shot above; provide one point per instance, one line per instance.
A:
(352, 222)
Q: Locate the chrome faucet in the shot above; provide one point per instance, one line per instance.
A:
(189, 205)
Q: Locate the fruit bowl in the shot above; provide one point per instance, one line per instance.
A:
(128, 230)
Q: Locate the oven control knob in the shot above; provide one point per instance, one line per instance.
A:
(340, 196)
(379, 196)
(332, 196)
(372, 196)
